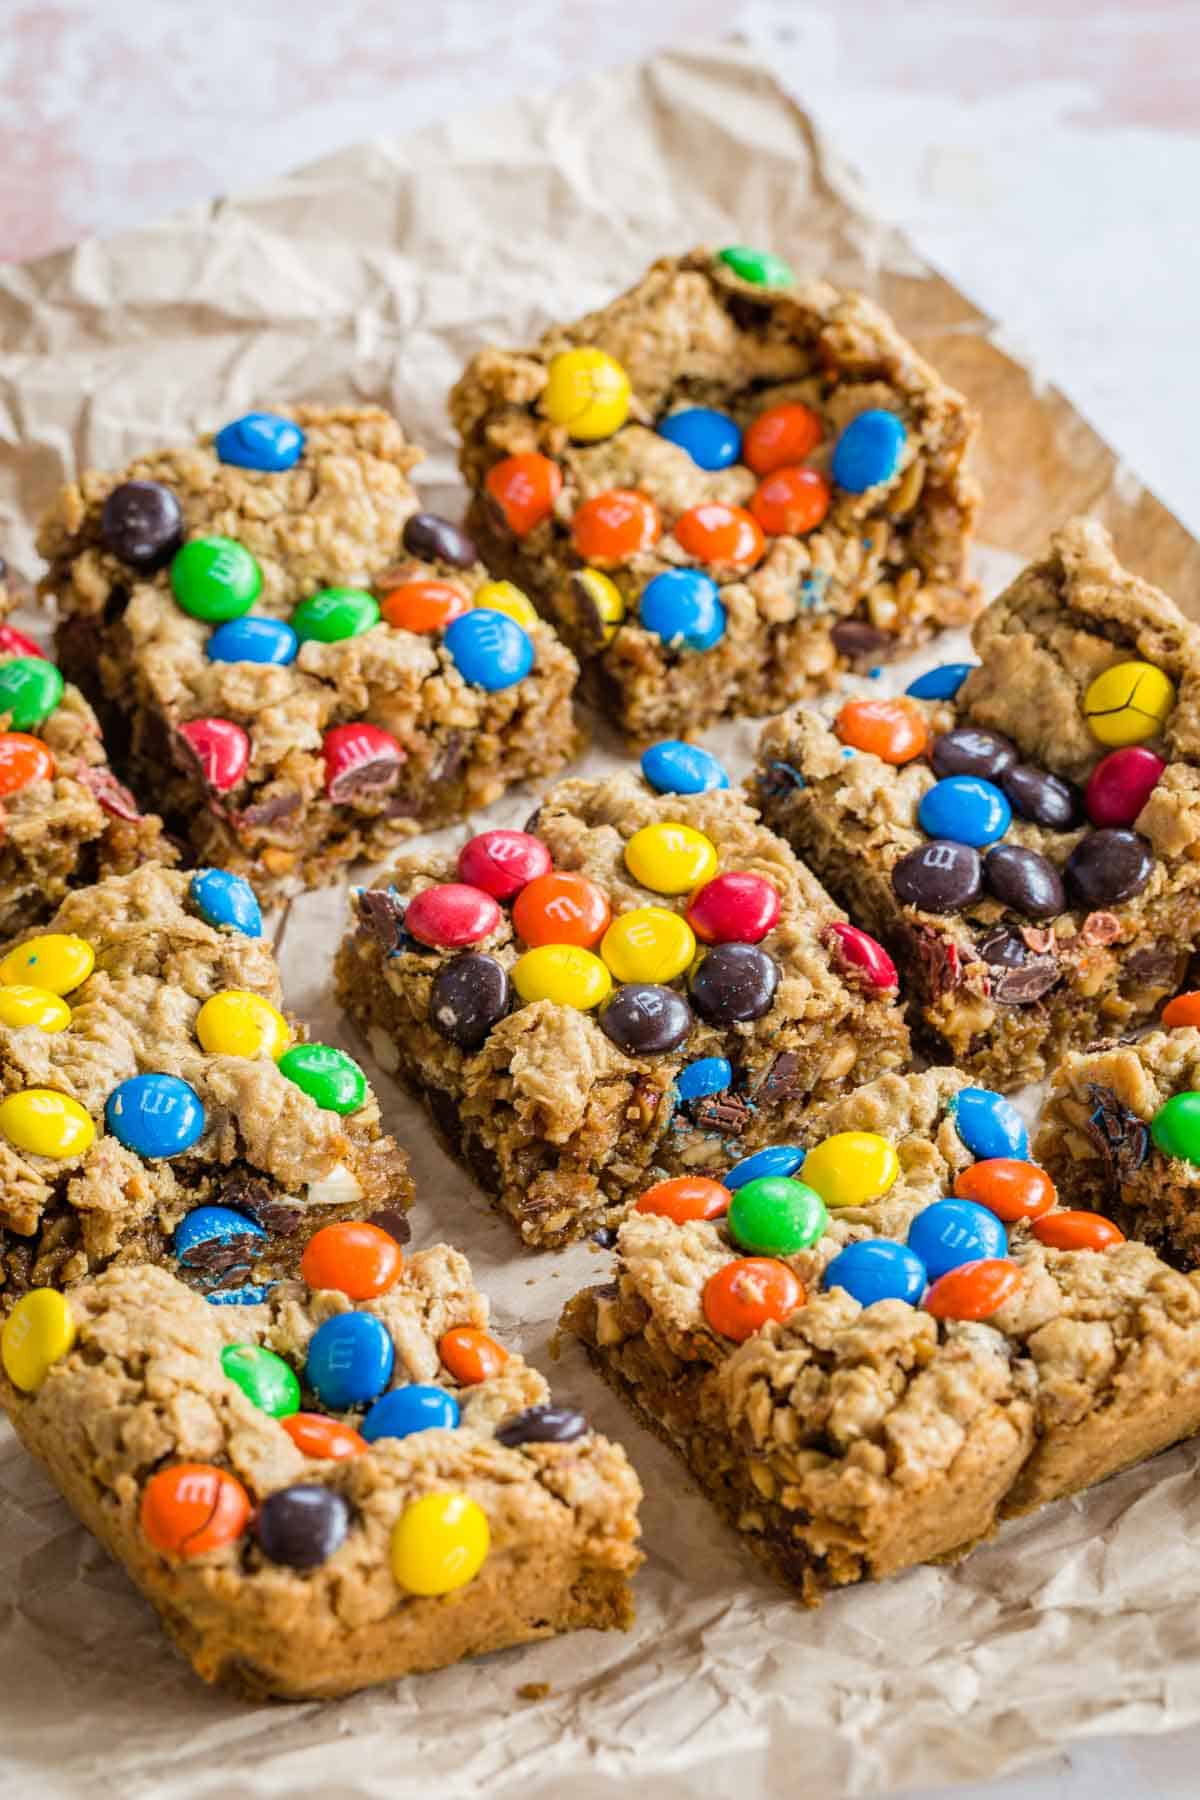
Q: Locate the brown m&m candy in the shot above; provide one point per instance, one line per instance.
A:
(1024, 880)
(644, 1019)
(1108, 867)
(734, 983)
(141, 523)
(969, 751)
(468, 997)
(435, 539)
(940, 876)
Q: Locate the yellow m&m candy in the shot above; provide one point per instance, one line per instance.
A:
(851, 1168)
(506, 597)
(57, 962)
(1128, 703)
(565, 973)
(439, 1543)
(43, 1122)
(601, 593)
(670, 859)
(240, 1024)
(39, 1329)
(648, 944)
(588, 392)
(24, 1005)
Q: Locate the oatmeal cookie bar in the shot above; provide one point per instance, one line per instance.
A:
(1022, 834)
(298, 666)
(643, 982)
(863, 1373)
(323, 1492)
(165, 1110)
(724, 487)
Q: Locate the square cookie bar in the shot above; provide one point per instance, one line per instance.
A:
(864, 1373)
(349, 1483)
(724, 487)
(296, 665)
(1023, 835)
(651, 984)
(157, 1107)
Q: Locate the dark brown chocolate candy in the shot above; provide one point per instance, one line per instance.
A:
(1024, 880)
(1121, 1137)
(1109, 866)
(1043, 798)
(644, 1019)
(940, 876)
(142, 523)
(968, 751)
(858, 641)
(1018, 976)
(109, 793)
(394, 1222)
(546, 1424)
(383, 915)
(435, 539)
(469, 996)
(734, 983)
(302, 1526)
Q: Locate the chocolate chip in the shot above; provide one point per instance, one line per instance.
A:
(780, 1080)
(142, 524)
(1045, 799)
(108, 792)
(301, 1527)
(545, 1424)
(940, 876)
(435, 539)
(218, 1256)
(1121, 1137)
(1018, 987)
(453, 756)
(938, 959)
(1153, 968)
(469, 996)
(1108, 867)
(1003, 949)
(644, 1019)
(734, 983)
(366, 780)
(728, 1114)
(383, 915)
(968, 751)
(258, 1200)
(860, 642)
(276, 806)
(1024, 880)
(394, 1222)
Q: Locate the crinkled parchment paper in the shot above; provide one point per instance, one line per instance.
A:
(375, 273)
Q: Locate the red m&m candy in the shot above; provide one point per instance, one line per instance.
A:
(781, 435)
(424, 605)
(1012, 1190)
(503, 862)
(360, 760)
(1120, 785)
(975, 1290)
(23, 759)
(716, 533)
(747, 1294)
(353, 1258)
(221, 748)
(471, 1355)
(685, 1197)
(561, 908)
(326, 1439)
(525, 488)
(451, 916)
(614, 526)
(193, 1508)
(15, 643)
(1077, 1231)
(861, 951)
(791, 502)
(735, 908)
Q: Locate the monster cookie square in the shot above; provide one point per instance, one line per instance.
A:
(725, 487)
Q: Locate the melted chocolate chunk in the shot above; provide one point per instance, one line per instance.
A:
(860, 642)
(394, 1222)
(727, 1113)
(1120, 1136)
(108, 793)
(383, 915)
(247, 1194)
(938, 960)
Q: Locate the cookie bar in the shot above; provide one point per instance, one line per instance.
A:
(296, 665)
(165, 1111)
(643, 982)
(864, 1373)
(1023, 834)
(323, 1491)
(724, 487)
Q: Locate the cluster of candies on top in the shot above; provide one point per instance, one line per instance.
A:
(31, 688)
(589, 395)
(982, 783)
(438, 1542)
(1175, 1126)
(955, 1260)
(216, 579)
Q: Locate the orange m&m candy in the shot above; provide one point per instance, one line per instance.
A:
(192, 1508)
(747, 1294)
(525, 488)
(975, 1290)
(1077, 1231)
(1184, 1009)
(471, 1355)
(561, 908)
(716, 533)
(354, 1258)
(325, 1439)
(614, 526)
(791, 501)
(781, 435)
(23, 759)
(685, 1197)
(1011, 1189)
(424, 605)
(893, 730)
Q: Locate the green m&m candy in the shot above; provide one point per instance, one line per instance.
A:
(30, 689)
(215, 578)
(1175, 1127)
(776, 1216)
(757, 266)
(328, 1076)
(263, 1377)
(334, 613)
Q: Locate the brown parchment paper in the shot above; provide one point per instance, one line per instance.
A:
(375, 273)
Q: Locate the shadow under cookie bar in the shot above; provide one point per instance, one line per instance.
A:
(1075, 919)
(310, 1575)
(558, 1114)
(658, 408)
(296, 664)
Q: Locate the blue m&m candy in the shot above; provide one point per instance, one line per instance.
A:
(349, 1360)
(966, 809)
(407, 1409)
(683, 607)
(989, 1125)
(708, 1075)
(673, 767)
(254, 639)
(224, 899)
(489, 649)
(155, 1115)
(941, 683)
(260, 440)
(711, 438)
(251, 1293)
(868, 451)
(212, 1225)
(877, 1269)
(955, 1231)
(776, 1159)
